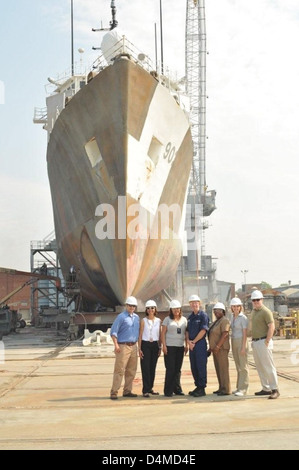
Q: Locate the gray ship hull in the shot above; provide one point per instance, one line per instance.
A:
(121, 143)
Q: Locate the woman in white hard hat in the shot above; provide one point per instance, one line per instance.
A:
(149, 343)
(239, 328)
(219, 346)
(173, 339)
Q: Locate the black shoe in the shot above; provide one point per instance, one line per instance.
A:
(146, 395)
(221, 394)
(193, 391)
(154, 393)
(179, 393)
(168, 394)
(200, 392)
(216, 392)
(130, 395)
(113, 397)
(263, 392)
(274, 394)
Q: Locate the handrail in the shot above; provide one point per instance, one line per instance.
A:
(40, 115)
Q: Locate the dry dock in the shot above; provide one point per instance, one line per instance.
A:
(55, 395)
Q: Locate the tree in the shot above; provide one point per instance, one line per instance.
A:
(265, 285)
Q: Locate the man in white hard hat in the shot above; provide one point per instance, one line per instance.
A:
(124, 333)
(262, 345)
(198, 325)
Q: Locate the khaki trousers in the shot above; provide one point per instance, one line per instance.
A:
(263, 358)
(241, 363)
(125, 365)
(222, 370)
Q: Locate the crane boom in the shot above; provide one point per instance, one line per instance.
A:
(195, 57)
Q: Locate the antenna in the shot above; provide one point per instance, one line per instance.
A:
(112, 23)
(72, 35)
(156, 51)
(161, 22)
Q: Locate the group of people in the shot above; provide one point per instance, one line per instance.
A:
(177, 335)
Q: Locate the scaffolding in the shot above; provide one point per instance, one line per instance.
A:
(44, 260)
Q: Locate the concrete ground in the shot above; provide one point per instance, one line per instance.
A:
(54, 395)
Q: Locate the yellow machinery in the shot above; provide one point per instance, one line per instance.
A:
(289, 326)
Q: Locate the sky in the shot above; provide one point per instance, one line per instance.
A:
(252, 120)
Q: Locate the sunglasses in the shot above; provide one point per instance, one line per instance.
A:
(256, 300)
(150, 308)
(129, 305)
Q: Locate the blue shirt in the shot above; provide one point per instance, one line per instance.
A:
(126, 327)
(196, 323)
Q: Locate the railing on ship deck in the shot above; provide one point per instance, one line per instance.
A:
(122, 48)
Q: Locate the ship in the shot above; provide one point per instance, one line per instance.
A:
(119, 156)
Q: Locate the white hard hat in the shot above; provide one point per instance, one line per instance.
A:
(256, 294)
(194, 298)
(131, 301)
(235, 301)
(219, 305)
(150, 303)
(175, 304)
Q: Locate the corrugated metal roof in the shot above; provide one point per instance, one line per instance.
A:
(291, 292)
